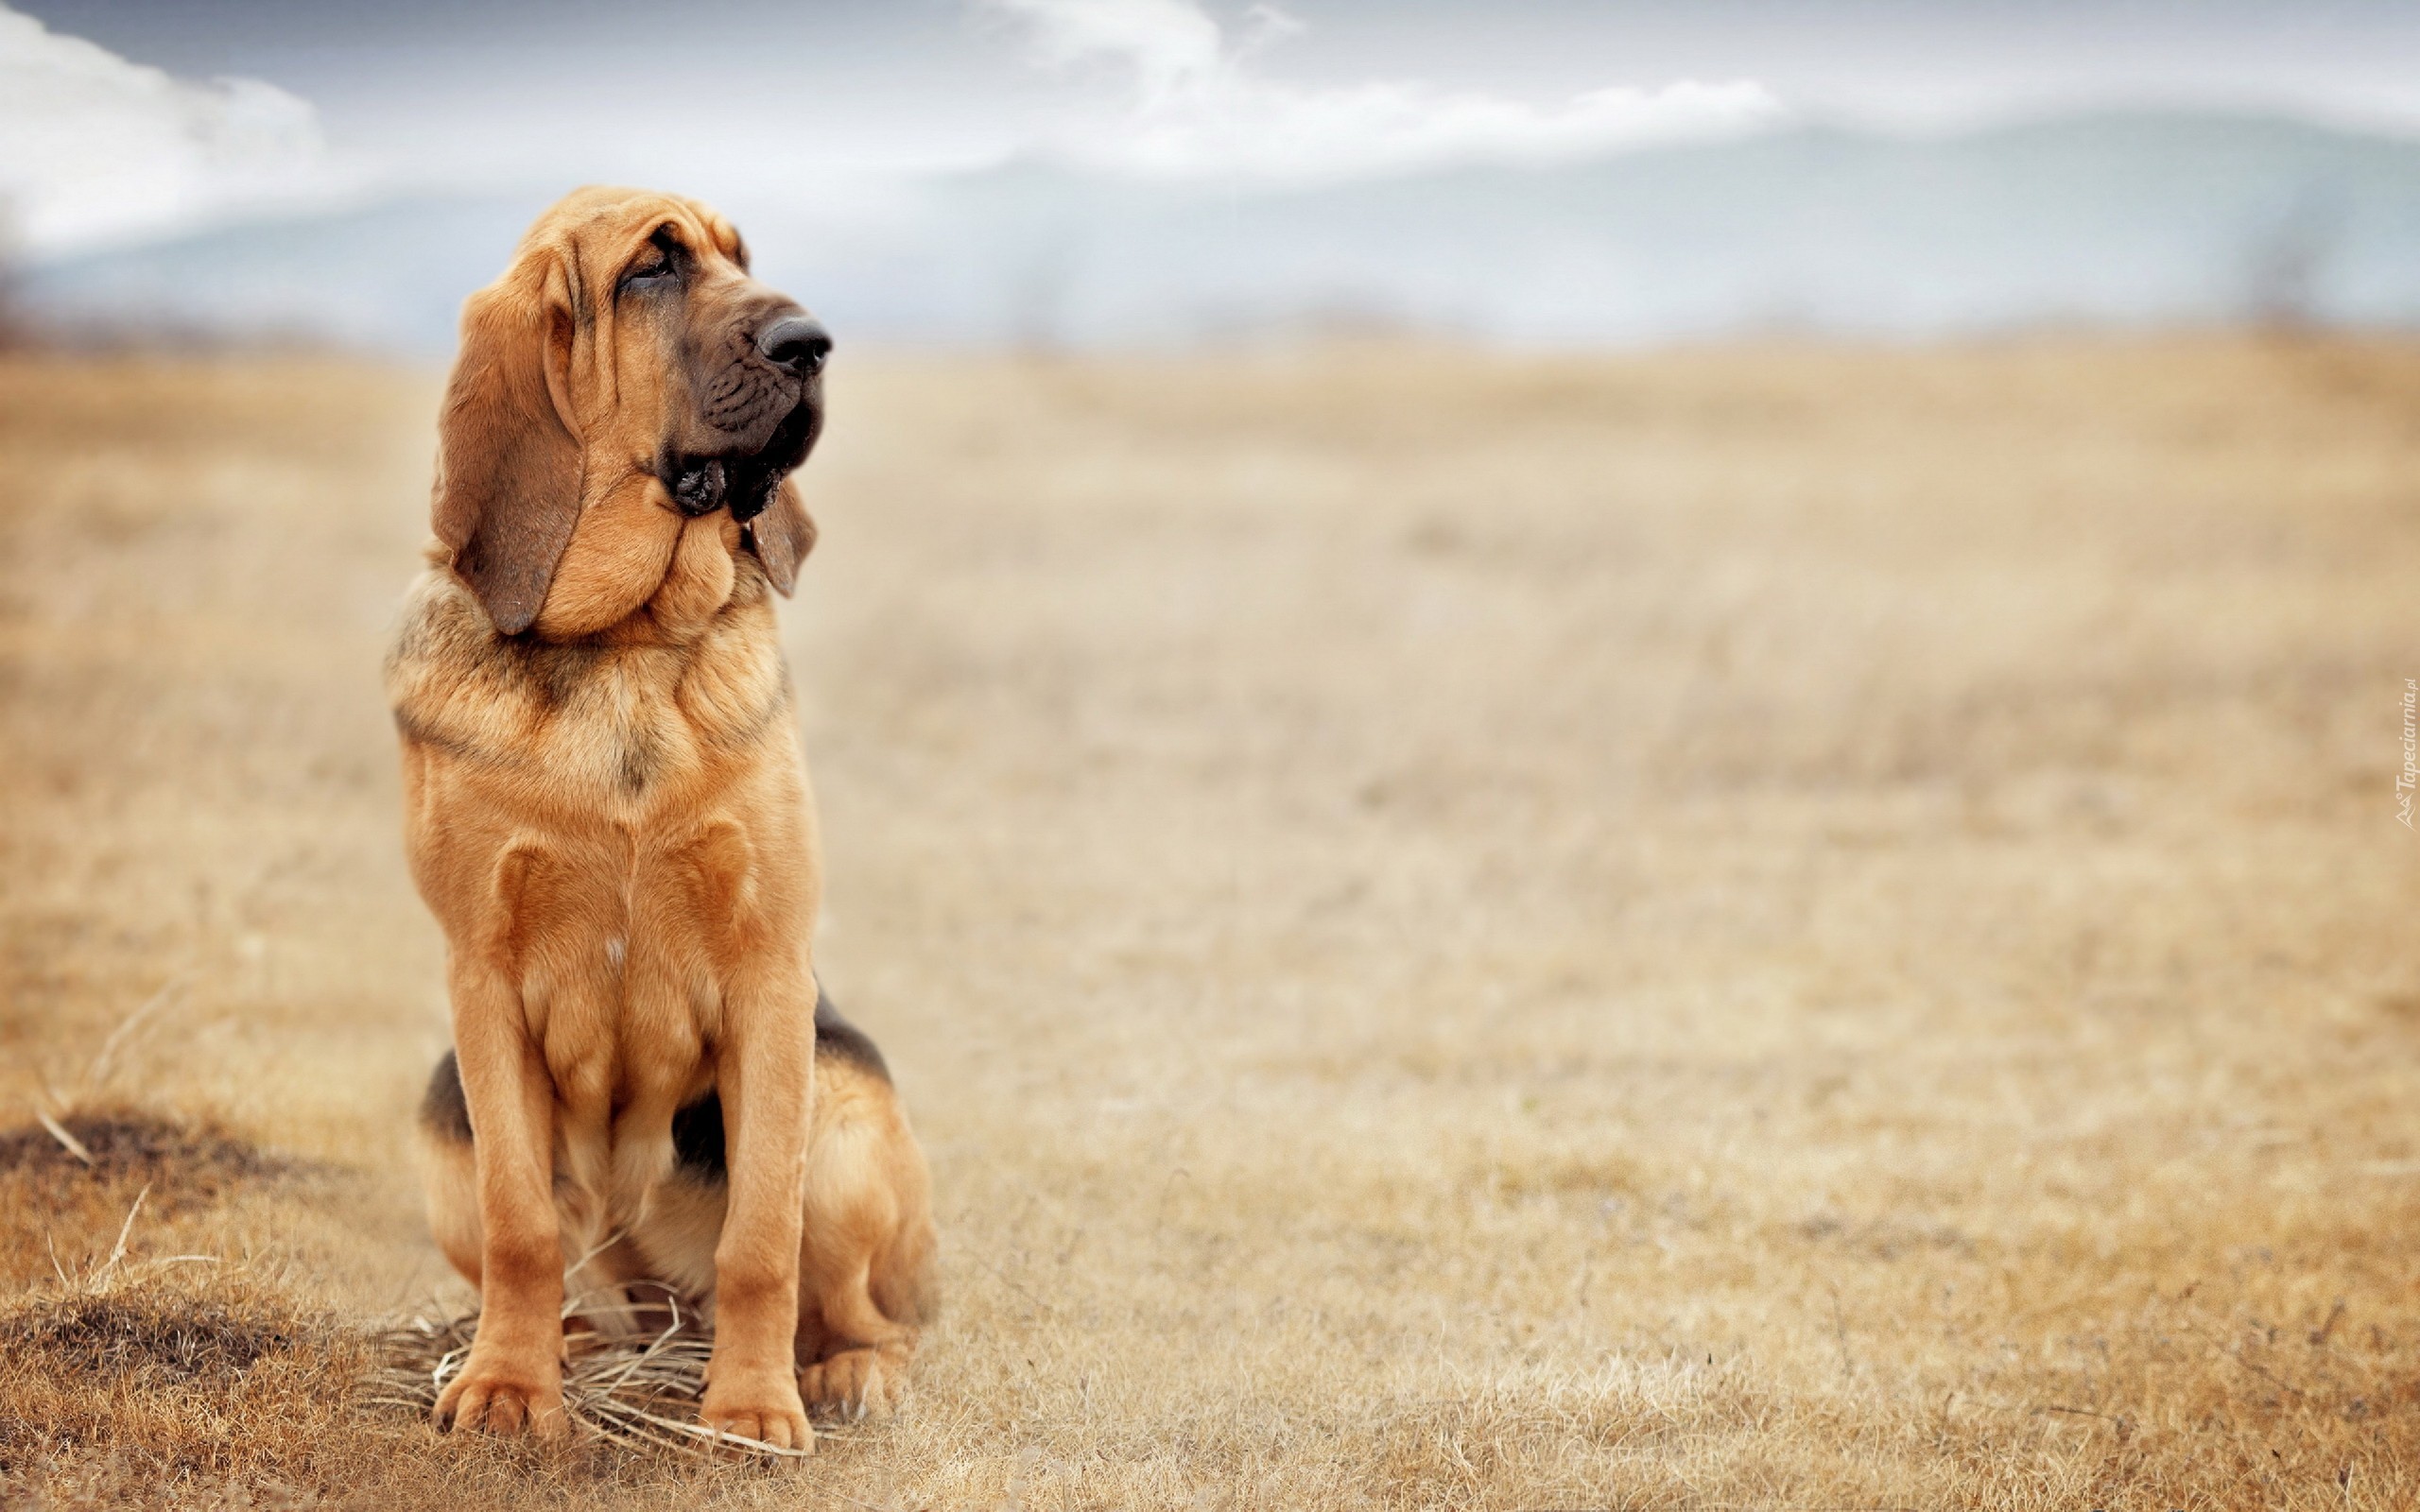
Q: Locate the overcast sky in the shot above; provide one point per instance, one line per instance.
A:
(169, 110)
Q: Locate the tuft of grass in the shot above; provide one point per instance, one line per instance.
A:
(181, 1160)
(69, 1185)
(182, 1380)
(148, 1338)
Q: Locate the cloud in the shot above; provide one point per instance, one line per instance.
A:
(95, 148)
(1198, 108)
(1166, 42)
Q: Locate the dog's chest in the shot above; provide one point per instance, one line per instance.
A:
(622, 825)
(623, 731)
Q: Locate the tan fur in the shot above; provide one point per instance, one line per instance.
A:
(609, 815)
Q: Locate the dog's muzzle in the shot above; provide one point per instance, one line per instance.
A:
(744, 484)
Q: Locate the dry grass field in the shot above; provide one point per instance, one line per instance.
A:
(1738, 929)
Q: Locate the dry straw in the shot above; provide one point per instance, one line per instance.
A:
(639, 1391)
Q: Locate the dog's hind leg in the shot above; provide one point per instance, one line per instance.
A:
(866, 1263)
(865, 1356)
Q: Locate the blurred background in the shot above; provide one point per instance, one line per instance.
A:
(1645, 754)
(1119, 173)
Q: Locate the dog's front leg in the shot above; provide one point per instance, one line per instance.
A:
(513, 1378)
(766, 1076)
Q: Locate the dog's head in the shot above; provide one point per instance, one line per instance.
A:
(627, 403)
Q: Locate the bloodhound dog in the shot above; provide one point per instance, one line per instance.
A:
(606, 810)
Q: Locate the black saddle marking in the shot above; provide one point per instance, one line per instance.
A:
(836, 1035)
(443, 1111)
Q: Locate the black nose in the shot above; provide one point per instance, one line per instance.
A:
(795, 342)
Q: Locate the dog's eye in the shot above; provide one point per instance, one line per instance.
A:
(658, 266)
(653, 272)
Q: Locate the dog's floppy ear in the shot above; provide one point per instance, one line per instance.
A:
(508, 465)
(782, 535)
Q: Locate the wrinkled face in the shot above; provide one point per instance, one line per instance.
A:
(623, 419)
(735, 366)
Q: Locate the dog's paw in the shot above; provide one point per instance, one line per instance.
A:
(504, 1396)
(762, 1406)
(855, 1383)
